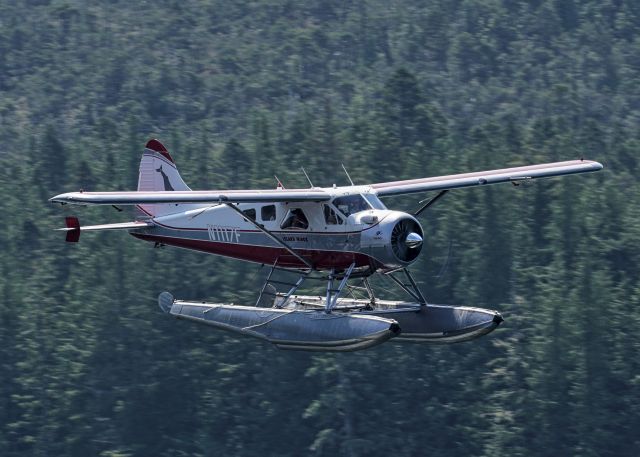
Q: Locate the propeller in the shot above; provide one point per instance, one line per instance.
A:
(406, 239)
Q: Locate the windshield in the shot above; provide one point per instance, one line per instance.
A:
(351, 204)
(374, 201)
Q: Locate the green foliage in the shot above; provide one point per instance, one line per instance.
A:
(242, 91)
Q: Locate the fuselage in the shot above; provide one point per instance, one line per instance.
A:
(354, 227)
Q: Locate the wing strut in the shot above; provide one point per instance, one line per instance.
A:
(334, 294)
(270, 235)
(430, 202)
(270, 282)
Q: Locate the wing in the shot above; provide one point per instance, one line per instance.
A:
(212, 196)
(481, 178)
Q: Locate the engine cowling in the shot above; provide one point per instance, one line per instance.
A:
(396, 241)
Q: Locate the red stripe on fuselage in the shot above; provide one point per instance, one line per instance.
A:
(322, 260)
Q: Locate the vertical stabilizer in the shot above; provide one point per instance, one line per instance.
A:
(158, 172)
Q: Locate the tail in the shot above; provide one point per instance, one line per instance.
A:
(158, 172)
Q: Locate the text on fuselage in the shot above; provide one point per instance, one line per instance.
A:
(225, 234)
(295, 238)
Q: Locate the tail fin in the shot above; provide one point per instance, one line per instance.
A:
(158, 172)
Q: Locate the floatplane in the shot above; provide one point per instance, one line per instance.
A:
(337, 234)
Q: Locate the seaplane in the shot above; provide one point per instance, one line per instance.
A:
(340, 235)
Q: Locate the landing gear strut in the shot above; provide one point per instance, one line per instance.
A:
(411, 288)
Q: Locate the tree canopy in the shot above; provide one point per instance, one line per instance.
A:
(242, 90)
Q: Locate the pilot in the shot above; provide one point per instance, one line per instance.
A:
(297, 220)
(354, 207)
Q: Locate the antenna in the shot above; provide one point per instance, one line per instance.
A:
(347, 173)
(305, 173)
(279, 182)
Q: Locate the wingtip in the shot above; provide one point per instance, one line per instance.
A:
(594, 165)
(64, 198)
(57, 199)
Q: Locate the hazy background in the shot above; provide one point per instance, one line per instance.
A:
(242, 90)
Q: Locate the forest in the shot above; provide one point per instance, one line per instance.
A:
(240, 91)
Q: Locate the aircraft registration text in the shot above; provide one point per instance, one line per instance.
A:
(226, 234)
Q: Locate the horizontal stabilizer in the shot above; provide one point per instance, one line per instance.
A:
(73, 227)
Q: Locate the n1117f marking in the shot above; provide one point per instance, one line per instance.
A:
(341, 233)
(224, 234)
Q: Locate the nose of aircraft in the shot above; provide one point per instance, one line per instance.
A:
(413, 240)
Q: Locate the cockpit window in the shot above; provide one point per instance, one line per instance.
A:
(330, 216)
(351, 204)
(268, 213)
(295, 219)
(374, 201)
(250, 213)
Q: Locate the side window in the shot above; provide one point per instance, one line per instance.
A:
(268, 213)
(330, 216)
(296, 220)
(250, 213)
